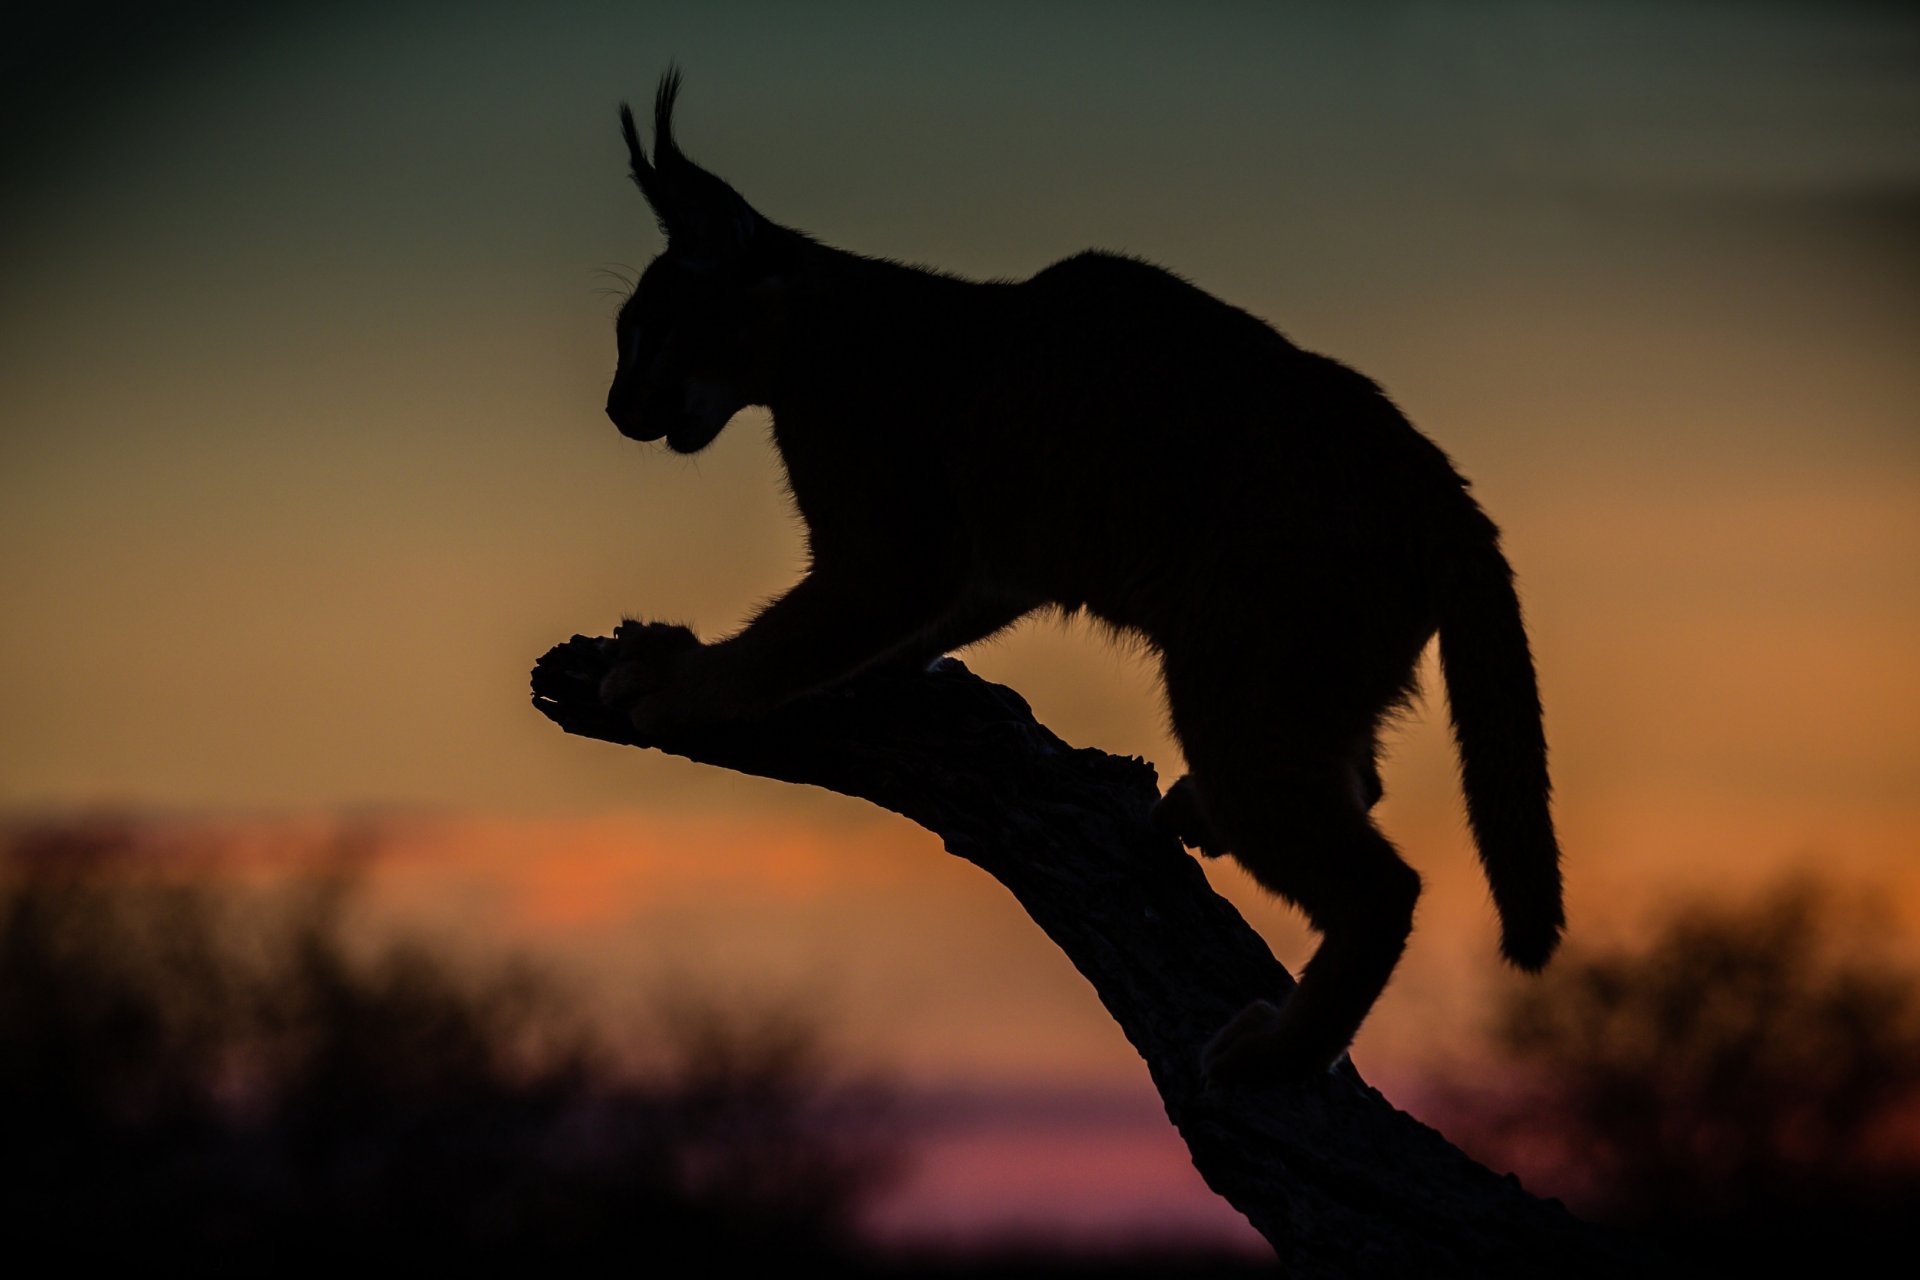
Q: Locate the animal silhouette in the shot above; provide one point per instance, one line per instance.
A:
(1104, 437)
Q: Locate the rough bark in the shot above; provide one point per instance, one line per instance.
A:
(1340, 1182)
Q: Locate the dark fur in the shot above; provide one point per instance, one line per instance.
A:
(1104, 436)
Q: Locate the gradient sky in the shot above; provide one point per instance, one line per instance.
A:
(302, 457)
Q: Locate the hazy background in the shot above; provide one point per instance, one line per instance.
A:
(303, 347)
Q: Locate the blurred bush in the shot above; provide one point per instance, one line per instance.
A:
(232, 1081)
(1746, 1085)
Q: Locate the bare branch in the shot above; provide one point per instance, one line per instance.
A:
(1340, 1182)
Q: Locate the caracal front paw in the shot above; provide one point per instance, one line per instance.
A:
(647, 662)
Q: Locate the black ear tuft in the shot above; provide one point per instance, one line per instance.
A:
(705, 221)
(664, 150)
(636, 154)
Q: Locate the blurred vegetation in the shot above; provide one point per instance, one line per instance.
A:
(237, 1082)
(1745, 1086)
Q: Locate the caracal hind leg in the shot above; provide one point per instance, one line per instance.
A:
(1182, 812)
(1307, 841)
(1287, 777)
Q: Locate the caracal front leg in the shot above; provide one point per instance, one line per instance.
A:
(825, 629)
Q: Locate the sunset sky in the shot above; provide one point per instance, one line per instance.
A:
(304, 343)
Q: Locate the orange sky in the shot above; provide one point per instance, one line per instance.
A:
(302, 460)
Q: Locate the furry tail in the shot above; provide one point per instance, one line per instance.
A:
(1495, 705)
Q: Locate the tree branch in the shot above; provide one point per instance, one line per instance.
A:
(1340, 1182)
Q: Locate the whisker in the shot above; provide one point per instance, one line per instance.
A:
(627, 277)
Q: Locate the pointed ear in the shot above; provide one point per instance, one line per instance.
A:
(705, 220)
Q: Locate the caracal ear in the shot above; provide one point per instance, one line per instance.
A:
(705, 221)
